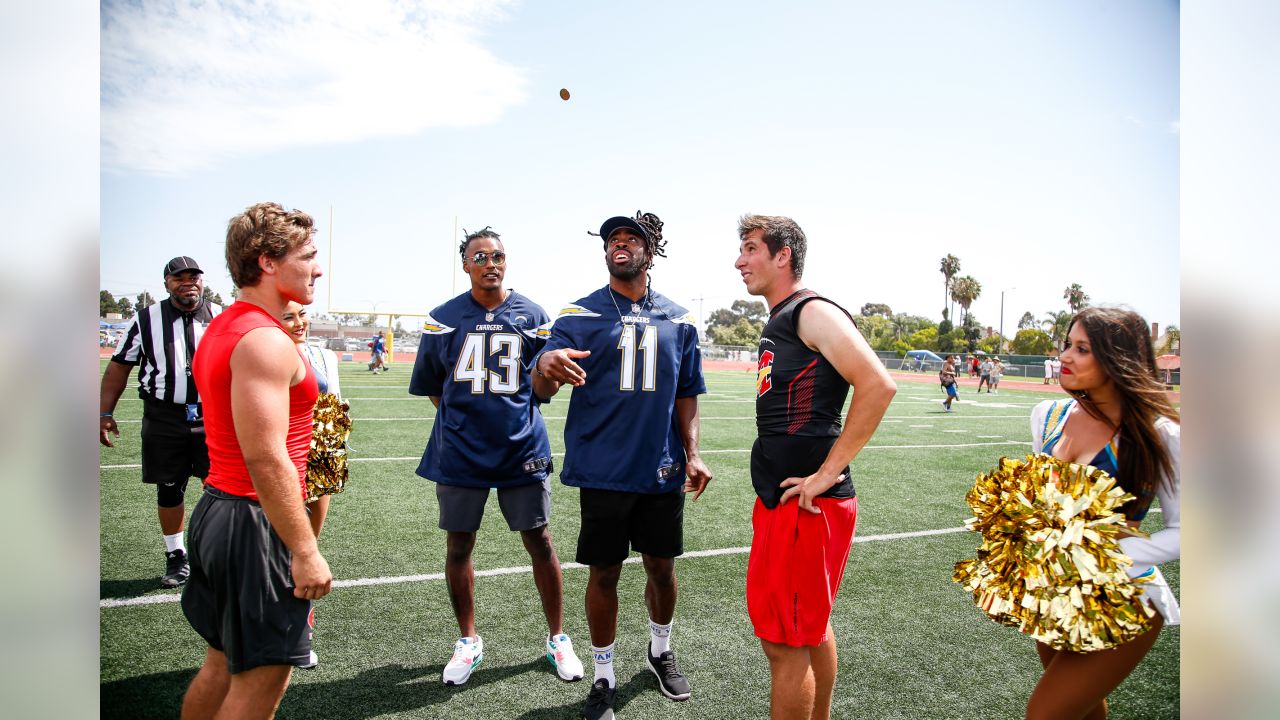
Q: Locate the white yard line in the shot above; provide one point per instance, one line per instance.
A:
(519, 570)
(704, 452)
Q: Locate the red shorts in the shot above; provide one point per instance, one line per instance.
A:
(796, 564)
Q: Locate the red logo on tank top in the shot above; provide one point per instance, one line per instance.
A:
(763, 372)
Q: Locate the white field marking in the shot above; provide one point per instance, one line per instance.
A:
(734, 451)
(920, 426)
(519, 570)
(560, 418)
(955, 431)
(990, 437)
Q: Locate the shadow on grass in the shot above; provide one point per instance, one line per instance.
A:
(378, 691)
(158, 695)
(127, 588)
(387, 689)
(640, 682)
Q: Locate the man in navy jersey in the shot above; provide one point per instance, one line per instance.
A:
(631, 442)
(473, 363)
(810, 354)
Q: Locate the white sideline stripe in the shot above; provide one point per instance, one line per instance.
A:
(704, 452)
(399, 579)
(560, 418)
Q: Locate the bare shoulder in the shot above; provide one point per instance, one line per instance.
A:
(821, 322)
(266, 352)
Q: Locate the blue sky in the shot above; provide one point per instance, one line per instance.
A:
(1038, 142)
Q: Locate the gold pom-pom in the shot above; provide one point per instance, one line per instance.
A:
(1050, 563)
(327, 459)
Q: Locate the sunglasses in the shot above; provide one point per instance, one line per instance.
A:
(481, 258)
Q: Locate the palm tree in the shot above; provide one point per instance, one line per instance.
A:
(1075, 297)
(1056, 323)
(949, 268)
(1172, 341)
(964, 291)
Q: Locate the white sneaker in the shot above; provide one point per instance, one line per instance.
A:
(467, 656)
(560, 654)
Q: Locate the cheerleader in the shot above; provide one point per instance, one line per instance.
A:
(1118, 419)
(325, 364)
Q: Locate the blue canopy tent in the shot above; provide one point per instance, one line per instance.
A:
(920, 357)
(103, 324)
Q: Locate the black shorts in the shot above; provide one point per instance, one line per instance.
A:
(775, 458)
(614, 523)
(242, 606)
(173, 450)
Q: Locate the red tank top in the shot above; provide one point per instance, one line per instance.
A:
(212, 369)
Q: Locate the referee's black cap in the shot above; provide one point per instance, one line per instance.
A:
(182, 263)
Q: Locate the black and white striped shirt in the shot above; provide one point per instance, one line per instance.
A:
(162, 341)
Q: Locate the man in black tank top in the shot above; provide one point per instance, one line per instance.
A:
(810, 354)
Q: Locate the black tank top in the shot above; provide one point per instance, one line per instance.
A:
(797, 391)
(799, 399)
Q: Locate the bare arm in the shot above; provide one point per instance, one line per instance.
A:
(697, 475)
(114, 381)
(435, 400)
(264, 366)
(824, 328)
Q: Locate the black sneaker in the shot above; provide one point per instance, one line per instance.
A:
(599, 702)
(176, 569)
(670, 681)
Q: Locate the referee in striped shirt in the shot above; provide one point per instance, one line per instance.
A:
(161, 342)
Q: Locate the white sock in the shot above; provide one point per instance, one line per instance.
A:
(604, 664)
(174, 542)
(659, 638)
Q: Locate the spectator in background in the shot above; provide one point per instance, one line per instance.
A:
(985, 375)
(997, 372)
(161, 341)
(947, 377)
(973, 366)
(1057, 371)
(378, 354)
(1048, 370)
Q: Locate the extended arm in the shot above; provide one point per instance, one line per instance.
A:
(114, 381)
(1165, 544)
(263, 366)
(697, 475)
(553, 368)
(826, 329)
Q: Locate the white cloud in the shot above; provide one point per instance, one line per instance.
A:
(185, 85)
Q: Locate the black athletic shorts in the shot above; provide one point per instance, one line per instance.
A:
(613, 523)
(239, 597)
(775, 458)
(173, 450)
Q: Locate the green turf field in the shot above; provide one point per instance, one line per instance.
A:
(912, 645)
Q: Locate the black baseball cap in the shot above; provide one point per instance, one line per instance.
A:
(617, 223)
(182, 263)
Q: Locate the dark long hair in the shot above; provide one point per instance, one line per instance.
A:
(1120, 340)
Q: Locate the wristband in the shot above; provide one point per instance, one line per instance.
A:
(537, 367)
(102, 415)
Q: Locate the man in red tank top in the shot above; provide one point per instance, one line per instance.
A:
(255, 565)
(805, 512)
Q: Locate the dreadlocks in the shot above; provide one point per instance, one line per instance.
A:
(486, 232)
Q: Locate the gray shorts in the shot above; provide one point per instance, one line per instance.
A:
(526, 507)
